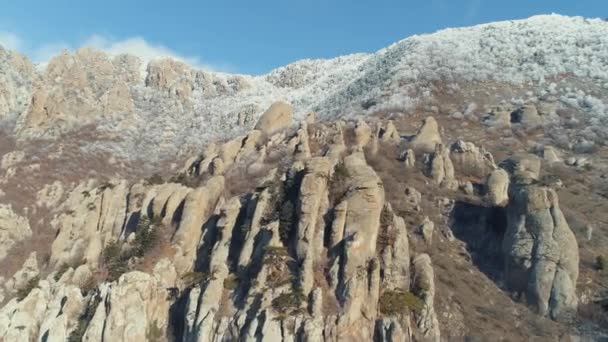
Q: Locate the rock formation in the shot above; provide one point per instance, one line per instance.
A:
(427, 137)
(542, 259)
(278, 116)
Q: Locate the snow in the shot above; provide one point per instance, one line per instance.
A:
(528, 51)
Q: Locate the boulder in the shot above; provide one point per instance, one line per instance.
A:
(497, 187)
(427, 137)
(275, 118)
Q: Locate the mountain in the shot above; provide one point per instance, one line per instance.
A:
(450, 186)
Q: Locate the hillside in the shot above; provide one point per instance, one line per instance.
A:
(451, 186)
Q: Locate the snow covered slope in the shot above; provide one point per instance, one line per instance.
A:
(173, 108)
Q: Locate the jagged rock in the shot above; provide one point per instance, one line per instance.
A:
(229, 151)
(363, 133)
(524, 168)
(312, 206)
(427, 137)
(198, 206)
(359, 291)
(156, 198)
(62, 314)
(395, 259)
(409, 158)
(471, 160)
(426, 229)
(413, 198)
(164, 73)
(541, 252)
(130, 310)
(497, 187)
(441, 168)
(217, 168)
(66, 97)
(13, 228)
(275, 118)
(96, 216)
(391, 329)
(20, 320)
(249, 144)
(255, 212)
(424, 287)
(172, 204)
(301, 147)
(389, 133)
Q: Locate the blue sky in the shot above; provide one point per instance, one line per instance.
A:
(250, 36)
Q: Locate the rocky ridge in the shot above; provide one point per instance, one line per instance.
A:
(308, 248)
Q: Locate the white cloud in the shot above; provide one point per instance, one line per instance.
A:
(136, 46)
(140, 47)
(10, 40)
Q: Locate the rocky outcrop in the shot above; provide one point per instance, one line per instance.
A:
(198, 207)
(497, 187)
(135, 308)
(427, 137)
(95, 217)
(441, 169)
(13, 228)
(389, 133)
(470, 160)
(358, 289)
(363, 133)
(424, 287)
(275, 118)
(312, 206)
(426, 229)
(409, 158)
(306, 251)
(541, 252)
